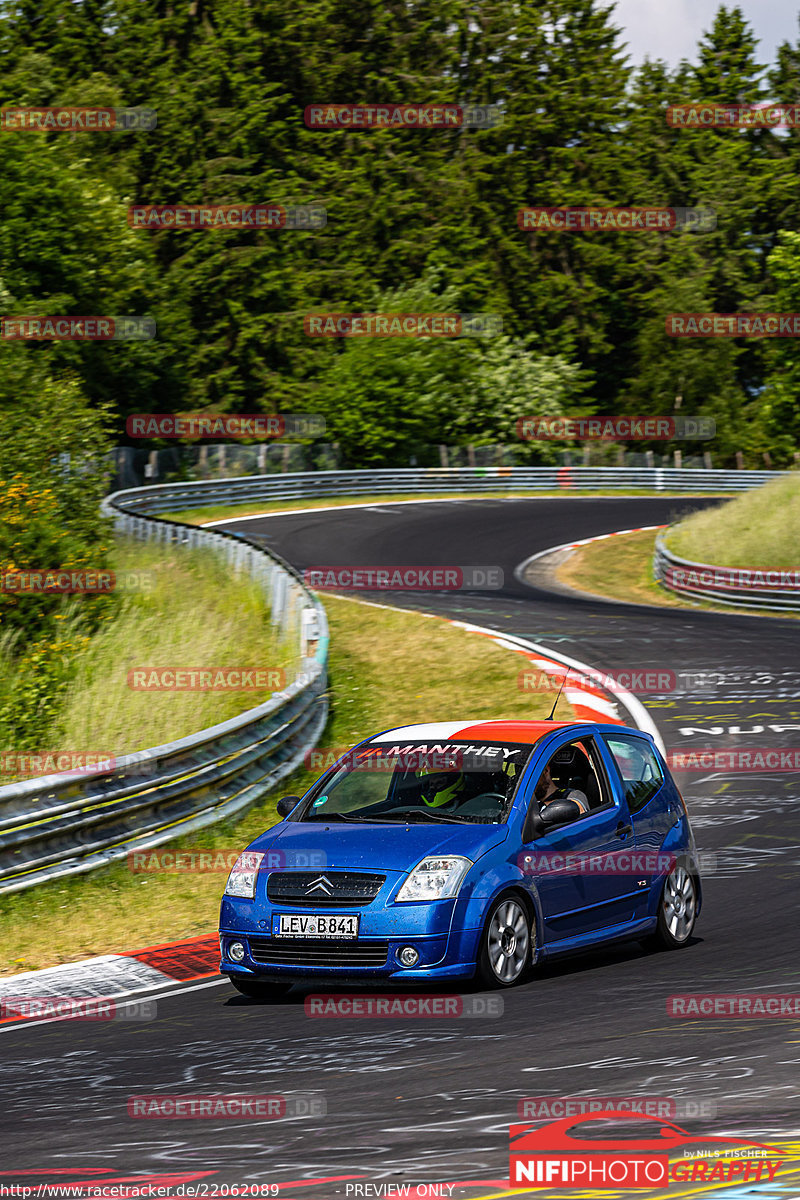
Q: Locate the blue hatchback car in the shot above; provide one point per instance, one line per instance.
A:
(441, 851)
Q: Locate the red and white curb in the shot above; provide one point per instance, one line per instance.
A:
(117, 976)
(519, 571)
(601, 537)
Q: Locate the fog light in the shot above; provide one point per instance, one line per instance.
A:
(408, 956)
(236, 951)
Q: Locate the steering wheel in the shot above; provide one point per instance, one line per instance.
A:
(467, 805)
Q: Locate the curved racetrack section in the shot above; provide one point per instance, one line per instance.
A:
(431, 1100)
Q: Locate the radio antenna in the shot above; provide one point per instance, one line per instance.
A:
(558, 697)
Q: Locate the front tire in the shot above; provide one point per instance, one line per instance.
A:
(257, 989)
(677, 910)
(505, 950)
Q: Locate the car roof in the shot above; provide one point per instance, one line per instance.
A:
(484, 731)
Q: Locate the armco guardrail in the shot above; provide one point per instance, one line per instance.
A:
(168, 497)
(60, 825)
(746, 587)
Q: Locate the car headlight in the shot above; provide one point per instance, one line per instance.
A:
(242, 879)
(435, 878)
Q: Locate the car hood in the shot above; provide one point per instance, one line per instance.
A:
(297, 844)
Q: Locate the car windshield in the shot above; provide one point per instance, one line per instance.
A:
(451, 782)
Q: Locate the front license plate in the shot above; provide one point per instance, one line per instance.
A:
(314, 925)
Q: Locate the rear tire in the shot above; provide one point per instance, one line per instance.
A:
(257, 989)
(677, 911)
(505, 951)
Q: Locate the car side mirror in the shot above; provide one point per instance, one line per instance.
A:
(287, 804)
(559, 812)
(534, 825)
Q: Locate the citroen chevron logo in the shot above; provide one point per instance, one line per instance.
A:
(320, 884)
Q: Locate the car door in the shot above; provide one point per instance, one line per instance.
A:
(648, 795)
(582, 871)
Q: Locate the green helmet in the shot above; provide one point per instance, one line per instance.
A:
(440, 787)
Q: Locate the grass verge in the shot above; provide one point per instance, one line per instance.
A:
(184, 611)
(758, 529)
(387, 668)
(621, 568)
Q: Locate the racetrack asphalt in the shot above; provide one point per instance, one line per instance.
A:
(431, 1099)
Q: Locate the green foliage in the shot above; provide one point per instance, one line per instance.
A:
(52, 478)
(230, 83)
(510, 381)
(779, 406)
(33, 682)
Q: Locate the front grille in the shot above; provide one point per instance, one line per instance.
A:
(324, 889)
(292, 953)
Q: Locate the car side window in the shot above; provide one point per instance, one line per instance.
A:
(639, 769)
(574, 772)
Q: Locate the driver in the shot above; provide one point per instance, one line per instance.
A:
(547, 790)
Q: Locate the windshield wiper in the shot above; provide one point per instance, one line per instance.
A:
(429, 816)
(334, 816)
(420, 814)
